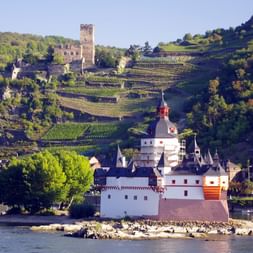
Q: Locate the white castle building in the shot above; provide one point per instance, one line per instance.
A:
(164, 182)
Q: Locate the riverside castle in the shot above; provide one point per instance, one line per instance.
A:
(163, 182)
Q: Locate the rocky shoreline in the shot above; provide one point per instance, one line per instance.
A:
(149, 229)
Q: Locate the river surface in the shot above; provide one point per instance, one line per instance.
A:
(23, 240)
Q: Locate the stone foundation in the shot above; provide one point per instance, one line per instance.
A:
(193, 210)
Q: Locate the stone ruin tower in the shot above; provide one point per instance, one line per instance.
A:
(87, 44)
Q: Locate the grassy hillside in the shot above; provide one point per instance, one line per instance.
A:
(208, 86)
(218, 39)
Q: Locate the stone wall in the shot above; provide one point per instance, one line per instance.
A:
(104, 84)
(69, 52)
(193, 210)
(100, 99)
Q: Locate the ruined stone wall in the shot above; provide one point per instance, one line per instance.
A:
(87, 41)
(69, 52)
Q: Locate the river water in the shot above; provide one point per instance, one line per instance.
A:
(23, 240)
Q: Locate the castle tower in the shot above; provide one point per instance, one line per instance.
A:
(87, 42)
(161, 137)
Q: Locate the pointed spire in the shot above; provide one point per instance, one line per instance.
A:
(163, 102)
(216, 156)
(195, 142)
(196, 147)
(163, 162)
(202, 159)
(162, 108)
(120, 159)
(209, 159)
(132, 166)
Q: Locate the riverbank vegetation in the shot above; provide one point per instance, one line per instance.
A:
(38, 181)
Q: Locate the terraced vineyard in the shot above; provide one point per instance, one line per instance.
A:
(66, 131)
(137, 98)
(124, 108)
(74, 131)
(142, 85)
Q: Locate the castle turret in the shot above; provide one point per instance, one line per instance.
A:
(161, 137)
(163, 109)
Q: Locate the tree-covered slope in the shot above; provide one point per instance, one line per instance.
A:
(222, 113)
(15, 45)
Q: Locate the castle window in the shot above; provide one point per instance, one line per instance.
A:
(135, 197)
(145, 197)
(109, 196)
(145, 142)
(173, 181)
(77, 53)
(72, 53)
(211, 182)
(185, 193)
(223, 182)
(185, 181)
(65, 53)
(126, 197)
(161, 142)
(197, 181)
(150, 142)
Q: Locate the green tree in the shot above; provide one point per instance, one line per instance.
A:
(187, 37)
(147, 49)
(58, 58)
(247, 187)
(50, 54)
(79, 175)
(34, 182)
(134, 51)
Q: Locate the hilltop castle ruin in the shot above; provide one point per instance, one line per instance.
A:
(80, 56)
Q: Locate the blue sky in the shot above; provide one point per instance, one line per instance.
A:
(123, 22)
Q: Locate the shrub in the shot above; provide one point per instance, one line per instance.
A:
(15, 210)
(47, 212)
(78, 211)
